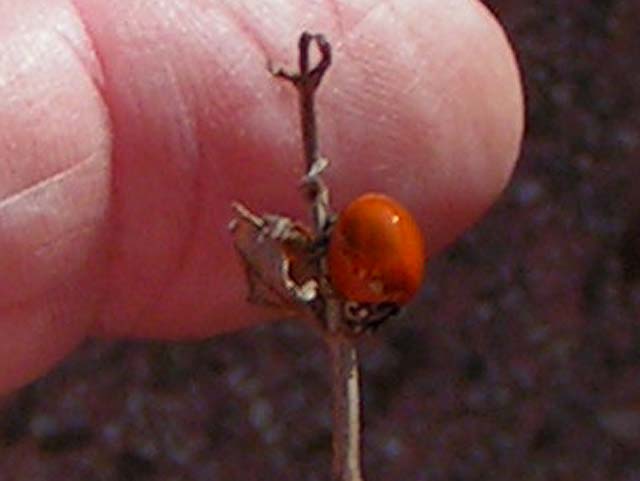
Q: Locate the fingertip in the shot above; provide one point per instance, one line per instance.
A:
(429, 115)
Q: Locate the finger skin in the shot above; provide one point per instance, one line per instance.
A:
(54, 186)
(151, 117)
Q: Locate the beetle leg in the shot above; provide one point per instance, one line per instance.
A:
(361, 317)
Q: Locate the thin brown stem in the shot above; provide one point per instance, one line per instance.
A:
(307, 80)
(342, 351)
(346, 410)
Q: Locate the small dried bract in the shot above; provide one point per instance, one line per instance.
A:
(277, 256)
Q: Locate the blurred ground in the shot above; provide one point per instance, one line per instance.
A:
(522, 361)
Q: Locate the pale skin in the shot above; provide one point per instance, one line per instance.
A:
(128, 128)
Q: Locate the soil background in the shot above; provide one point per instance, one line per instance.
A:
(521, 360)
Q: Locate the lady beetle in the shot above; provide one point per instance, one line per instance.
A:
(376, 252)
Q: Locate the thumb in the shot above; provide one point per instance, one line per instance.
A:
(169, 114)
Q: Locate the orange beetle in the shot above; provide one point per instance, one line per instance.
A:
(376, 252)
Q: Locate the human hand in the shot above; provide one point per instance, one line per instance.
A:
(126, 130)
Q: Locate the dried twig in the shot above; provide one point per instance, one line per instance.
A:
(307, 80)
(346, 410)
(342, 351)
(286, 266)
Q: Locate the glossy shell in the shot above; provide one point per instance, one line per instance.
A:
(376, 252)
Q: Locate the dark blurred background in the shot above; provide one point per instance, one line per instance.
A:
(522, 361)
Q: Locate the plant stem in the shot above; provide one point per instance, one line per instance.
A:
(342, 351)
(346, 410)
